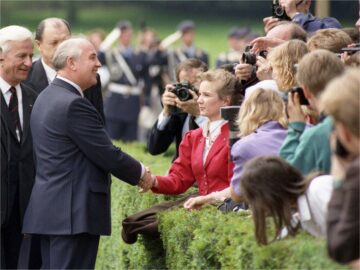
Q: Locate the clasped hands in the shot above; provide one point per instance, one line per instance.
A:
(147, 182)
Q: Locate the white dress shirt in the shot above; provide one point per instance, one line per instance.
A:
(50, 72)
(73, 84)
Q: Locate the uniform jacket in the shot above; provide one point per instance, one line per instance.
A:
(188, 168)
(38, 81)
(125, 107)
(71, 194)
(17, 163)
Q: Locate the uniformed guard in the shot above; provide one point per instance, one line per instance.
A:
(237, 40)
(129, 84)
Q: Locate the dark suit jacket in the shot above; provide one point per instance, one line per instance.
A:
(38, 81)
(343, 218)
(17, 164)
(74, 154)
(160, 140)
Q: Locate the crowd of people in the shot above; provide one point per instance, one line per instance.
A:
(293, 163)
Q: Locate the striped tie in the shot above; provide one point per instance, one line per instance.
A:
(14, 112)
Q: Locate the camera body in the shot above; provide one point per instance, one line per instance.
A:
(249, 57)
(279, 12)
(352, 50)
(181, 90)
(300, 91)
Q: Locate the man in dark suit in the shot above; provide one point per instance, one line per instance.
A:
(174, 123)
(69, 205)
(49, 34)
(17, 165)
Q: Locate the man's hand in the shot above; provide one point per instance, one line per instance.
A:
(168, 99)
(264, 43)
(289, 6)
(243, 71)
(190, 106)
(147, 181)
(294, 110)
(264, 70)
(269, 23)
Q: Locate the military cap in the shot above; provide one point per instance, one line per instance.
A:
(239, 32)
(185, 26)
(122, 25)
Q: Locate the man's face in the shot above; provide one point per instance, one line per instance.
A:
(86, 66)
(188, 37)
(191, 75)
(126, 36)
(16, 62)
(51, 38)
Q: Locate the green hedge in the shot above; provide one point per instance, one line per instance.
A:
(205, 239)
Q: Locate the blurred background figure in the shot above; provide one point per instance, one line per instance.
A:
(237, 40)
(129, 86)
(96, 37)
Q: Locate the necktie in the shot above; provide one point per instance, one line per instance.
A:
(14, 112)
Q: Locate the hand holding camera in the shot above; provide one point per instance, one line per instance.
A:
(168, 100)
(243, 72)
(294, 110)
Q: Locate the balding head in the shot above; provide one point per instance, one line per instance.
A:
(76, 60)
(287, 31)
(49, 34)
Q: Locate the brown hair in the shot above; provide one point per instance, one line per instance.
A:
(283, 58)
(260, 107)
(330, 39)
(190, 64)
(341, 100)
(317, 68)
(271, 186)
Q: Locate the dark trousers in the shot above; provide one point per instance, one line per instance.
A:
(69, 251)
(11, 239)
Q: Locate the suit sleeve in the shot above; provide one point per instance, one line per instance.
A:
(181, 176)
(85, 128)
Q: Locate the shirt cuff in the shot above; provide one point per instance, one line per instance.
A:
(162, 121)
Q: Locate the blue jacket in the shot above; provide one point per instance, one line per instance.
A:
(310, 23)
(74, 155)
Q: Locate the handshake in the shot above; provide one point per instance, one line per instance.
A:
(147, 181)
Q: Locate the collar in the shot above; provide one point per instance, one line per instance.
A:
(5, 86)
(213, 128)
(50, 72)
(72, 83)
(269, 125)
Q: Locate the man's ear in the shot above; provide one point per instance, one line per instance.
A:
(70, 62)
(37, 43)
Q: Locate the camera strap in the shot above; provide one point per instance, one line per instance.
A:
(125, 67)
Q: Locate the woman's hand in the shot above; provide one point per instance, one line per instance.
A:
(197, 202)
(294, 108)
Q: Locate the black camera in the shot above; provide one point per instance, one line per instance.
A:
(249, 57)
(302, 98)
(279, 12)
(181, 90)
(352, 50)
(230, 113)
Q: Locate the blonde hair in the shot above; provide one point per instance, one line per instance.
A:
(262, 106)
(283, 58)
(330, 39)
(317, 68)
(341, 100)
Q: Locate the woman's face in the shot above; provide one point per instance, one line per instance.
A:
(209, 100)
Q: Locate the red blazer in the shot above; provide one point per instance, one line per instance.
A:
(215, 175)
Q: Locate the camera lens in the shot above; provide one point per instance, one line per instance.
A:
(183, 94)
(249, 58)
(279, 11)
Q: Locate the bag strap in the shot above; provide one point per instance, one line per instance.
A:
(125, 67)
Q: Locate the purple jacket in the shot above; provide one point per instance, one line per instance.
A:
(265, 141)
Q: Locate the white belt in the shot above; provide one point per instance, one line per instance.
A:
(124, 89)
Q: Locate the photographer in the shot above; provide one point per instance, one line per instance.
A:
(343, 209)
(298, 12)
(174, 123)
(308, 149)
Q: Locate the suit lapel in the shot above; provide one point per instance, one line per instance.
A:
(27, 107)
(7, 117)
